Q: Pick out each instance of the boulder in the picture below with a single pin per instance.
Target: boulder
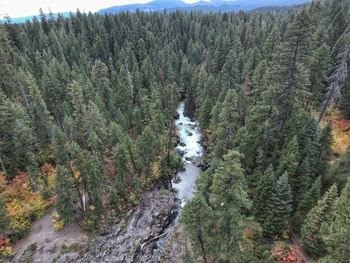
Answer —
(189, 133)
(182, 144)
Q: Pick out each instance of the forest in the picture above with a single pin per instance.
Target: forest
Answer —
(87, 108)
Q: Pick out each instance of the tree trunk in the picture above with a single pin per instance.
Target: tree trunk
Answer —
(200, 239)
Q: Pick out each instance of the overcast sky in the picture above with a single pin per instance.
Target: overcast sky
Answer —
(19, 8)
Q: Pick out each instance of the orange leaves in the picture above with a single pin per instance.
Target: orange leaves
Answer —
(342, 124)
(22, 205)
(341, 135)
(19, 187)
(77, 175)
(341, 131)
(282, 253)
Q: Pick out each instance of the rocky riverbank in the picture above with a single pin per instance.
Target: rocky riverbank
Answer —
(133, 238)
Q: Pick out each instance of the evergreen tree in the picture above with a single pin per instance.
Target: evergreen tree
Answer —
(41, 118)
(230, 202)
(263, 195)
(196, 217)
(280, 207)
(65, 196)
(336, 233)
(228, 123)
(322, 213)
(308, 201)
(289, 160)
(340, 171)
(146, 148)
(318, 73)
(64, 183)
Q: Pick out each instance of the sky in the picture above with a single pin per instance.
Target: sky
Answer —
(19, 8)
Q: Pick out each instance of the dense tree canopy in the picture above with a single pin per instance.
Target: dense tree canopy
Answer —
(95, 95)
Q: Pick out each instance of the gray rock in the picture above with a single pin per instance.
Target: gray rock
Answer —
(182, 144)
(176, 179)
(188, 158)
(180, 152)
(189, 133)
(152, 215)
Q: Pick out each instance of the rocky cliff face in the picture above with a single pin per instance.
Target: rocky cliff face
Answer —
(131, 240)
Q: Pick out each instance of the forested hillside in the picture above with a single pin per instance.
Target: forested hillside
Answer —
(87, 108)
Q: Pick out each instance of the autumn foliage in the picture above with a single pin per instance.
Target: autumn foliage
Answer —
(282, 253)
(341, 131)
(23, 206)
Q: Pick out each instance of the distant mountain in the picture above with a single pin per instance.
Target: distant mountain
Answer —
(205, 6)
(172, 5)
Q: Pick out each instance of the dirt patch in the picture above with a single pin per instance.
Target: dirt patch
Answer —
(44, 244)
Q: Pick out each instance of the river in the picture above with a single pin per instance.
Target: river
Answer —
(134, 237)
(190, 145)
(192, 153)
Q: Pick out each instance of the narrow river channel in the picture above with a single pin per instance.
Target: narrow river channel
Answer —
(192, 153)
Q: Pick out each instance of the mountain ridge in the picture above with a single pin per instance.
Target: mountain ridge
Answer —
(206, 6)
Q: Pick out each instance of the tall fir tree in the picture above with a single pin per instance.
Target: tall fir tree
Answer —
(322, 213)
(280, 207)
(336, 233)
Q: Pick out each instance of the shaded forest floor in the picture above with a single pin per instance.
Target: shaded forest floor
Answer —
(294, 239)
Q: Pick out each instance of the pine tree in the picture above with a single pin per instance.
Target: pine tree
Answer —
(280, 207)
(289, 160)
(318, 73)
(79, 111)
(196, 217)
(114, 134)
(101, 82)
(340, 171)
(230, 202)
(228, 124)
(322, 213)
(336, 233)
(7, 71)
(308, 201)
(146, 148)
(263, 195)
(66, 198)
(41, 119)
(64, 183)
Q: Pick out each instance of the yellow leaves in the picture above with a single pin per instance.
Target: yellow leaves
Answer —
(77, 176)
(341, 131)
(241, 247)
(156, 169)
(341, 141)
(6, 251)
(22, 205)
(57, 222)
(50, 172)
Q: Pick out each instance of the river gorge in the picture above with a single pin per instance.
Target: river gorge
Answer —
(149, 232)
